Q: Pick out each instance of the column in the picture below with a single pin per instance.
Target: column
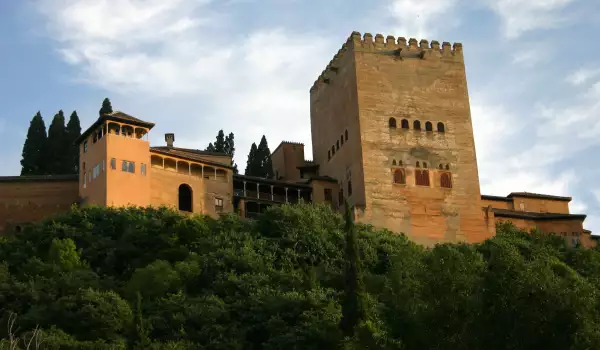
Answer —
(299, 195)
(244, 188)
(272, 198)
(258, 192)
(215, 173)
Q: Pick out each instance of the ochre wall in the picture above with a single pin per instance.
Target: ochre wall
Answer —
(497, 204)
(94, 190)
(539, 205)
(28, 201)
(424, 85)
(286, 159)
(165, 191)
(333, 110)
(318, 192)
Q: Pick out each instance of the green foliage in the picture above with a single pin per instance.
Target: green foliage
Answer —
(259, 160)
(73, 131)
(251, 168)
(224, 144)
(106, 107)
(133, 278)
(33, 161)
(59, 151)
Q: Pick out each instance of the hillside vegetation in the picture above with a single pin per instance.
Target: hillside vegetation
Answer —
(102, 278)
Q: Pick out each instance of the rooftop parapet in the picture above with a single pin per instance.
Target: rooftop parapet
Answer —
(389, 45)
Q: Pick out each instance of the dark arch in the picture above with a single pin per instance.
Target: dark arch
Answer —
(399, 177)
(332, 151)
(400, 163)
(418, 164)
(428, 126)
(446, 180)
(440, 127)
(424, 164)
(346, 134)
(185, 198)
(394, 162)
(447, 166)
(404, 124)
(417, 125)
(342, 140)
(441, 166)
(18, 228)
(392, 123)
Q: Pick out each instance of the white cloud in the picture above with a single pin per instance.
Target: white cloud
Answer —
(422, 18)
(177, 54)
(520, 16)
(582, 76)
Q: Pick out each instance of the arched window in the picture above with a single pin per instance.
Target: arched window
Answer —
(447, 166)
(424, 165)
(400, 163)
(428, 126)
(404, 124)
(185, 198)
(394, 162)
(422, 177)
(332, 151)
(342, 140)
(399, 177)
(349, 187)
(337, 145)
(417, 125)
(392, 123)
(446, 180)
(418, 165)
(441, 166)
(328, 155)
(346, 134)
(440, 127)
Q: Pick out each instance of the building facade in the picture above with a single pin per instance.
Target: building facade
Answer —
(391, 135)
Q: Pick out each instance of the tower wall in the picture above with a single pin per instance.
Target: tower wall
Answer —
(389, 78)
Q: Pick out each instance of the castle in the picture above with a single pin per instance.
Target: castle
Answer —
(391, 135)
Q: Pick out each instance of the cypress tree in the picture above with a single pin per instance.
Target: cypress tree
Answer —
(251, 163)
(210, 148)
(352, 304)
(263, 159)
(73, 132)
(220, 142)
(230, 149)
(33, 160)
(58, 154)
(106, 107)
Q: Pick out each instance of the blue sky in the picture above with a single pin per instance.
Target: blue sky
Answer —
(196, 66)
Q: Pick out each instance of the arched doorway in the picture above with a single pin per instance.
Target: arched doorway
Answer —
(185, 198)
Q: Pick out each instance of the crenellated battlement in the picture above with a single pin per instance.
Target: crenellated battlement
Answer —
(389, 45)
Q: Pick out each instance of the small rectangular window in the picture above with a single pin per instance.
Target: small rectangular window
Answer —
(143, 169)
(328, 193)
(124, 166)
(103, 165)
(218, 204)
(113, 163)
(85, 146)
(422, 177)
(84, 180)
(131, 167)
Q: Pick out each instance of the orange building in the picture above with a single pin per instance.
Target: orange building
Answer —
(391, 135)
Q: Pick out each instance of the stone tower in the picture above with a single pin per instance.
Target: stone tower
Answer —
(114, 155)
(390, 119)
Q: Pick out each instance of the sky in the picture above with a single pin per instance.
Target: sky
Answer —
(246, 66)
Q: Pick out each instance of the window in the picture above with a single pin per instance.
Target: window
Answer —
(328, 155)
(337, 145)
(428, 126)
(96, 171)
(422, 177)
(143, 169)
(346, 134)
(218, 205)
(399, 177)
(342, 140)
(522, 206)
(418, 165)
(349, 187)
(128, 166)
(103, 165)
(441, 166)
(392, 123)
(113, 163)
(332, 151)
(446, 180)
(341, 197)
(84, 180)
(424, 165)
(185, 198)
(440, 127)
(404, 124)
(85, 146)
(394, 162)
(417, 125)
(328, 194)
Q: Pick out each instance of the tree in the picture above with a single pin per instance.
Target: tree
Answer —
(263, 159)
(224, 144)
(352, 303)
(230, 149)
(106, 107)
(220, 142)
(33, 160)
(73, 132)
(59, 154)
(251, 169)
(210, 148)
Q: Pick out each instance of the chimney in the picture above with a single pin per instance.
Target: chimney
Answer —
(170, 138)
